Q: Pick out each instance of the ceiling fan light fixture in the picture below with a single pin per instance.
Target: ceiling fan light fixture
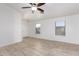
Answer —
(34, 8)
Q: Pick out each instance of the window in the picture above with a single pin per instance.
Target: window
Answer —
(60, 27)
(37, 28)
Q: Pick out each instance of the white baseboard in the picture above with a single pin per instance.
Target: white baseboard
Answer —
(10, 43)
(55, 40)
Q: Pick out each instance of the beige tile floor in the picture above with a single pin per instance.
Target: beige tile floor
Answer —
(38, 47)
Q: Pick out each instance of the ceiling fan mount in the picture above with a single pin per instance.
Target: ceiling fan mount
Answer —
(35, 6)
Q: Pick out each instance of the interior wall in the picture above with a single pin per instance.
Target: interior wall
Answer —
(24, 28)
(48, 29)
(10, 25)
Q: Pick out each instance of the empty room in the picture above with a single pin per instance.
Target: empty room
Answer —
(39, 29)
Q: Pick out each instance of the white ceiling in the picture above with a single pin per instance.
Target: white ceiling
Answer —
(51, 10)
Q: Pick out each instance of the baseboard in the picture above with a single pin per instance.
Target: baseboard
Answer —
(10, 43)
(53, 40)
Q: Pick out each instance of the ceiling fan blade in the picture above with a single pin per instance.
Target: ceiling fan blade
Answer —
(40, 4)
(41, 10)
(25, 7)
(32, 4)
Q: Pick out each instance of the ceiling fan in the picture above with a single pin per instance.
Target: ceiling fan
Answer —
(35, 7)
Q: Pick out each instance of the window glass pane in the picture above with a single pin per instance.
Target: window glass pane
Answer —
(37, 28)
(60, 27)
(60, 23)
(38, 25)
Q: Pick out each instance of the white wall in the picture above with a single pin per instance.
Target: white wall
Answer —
(10, 25)
(48, 29)
(24, 28)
